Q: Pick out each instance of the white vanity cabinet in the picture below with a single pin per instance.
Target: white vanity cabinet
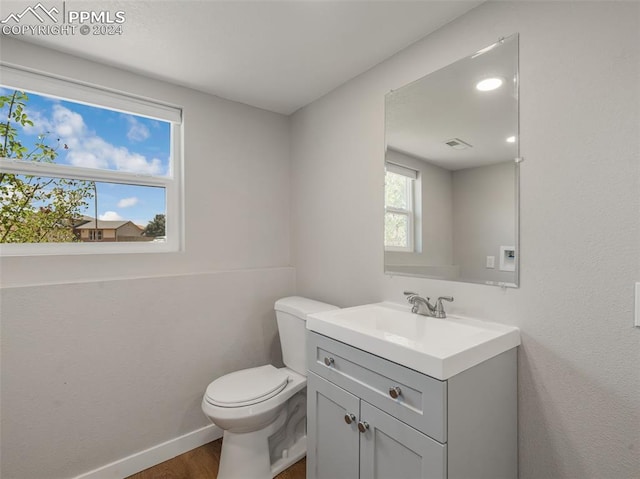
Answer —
(384, 447)
(372, 418)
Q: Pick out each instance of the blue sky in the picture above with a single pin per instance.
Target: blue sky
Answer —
(106, 139)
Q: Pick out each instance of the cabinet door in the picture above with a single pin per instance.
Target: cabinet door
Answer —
(391, 449)
(332, 444)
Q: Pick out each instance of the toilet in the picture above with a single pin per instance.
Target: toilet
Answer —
(262, 410)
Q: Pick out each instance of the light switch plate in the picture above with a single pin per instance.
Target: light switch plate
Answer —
(637, 308)
(491, 261)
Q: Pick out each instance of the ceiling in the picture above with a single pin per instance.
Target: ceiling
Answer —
(276, 55)
(422, 116)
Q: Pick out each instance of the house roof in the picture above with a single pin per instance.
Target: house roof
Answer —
(81, 220)
(105, 225)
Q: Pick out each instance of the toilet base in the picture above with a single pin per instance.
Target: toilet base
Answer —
(246, 455)
(294, 454)
(289, 444)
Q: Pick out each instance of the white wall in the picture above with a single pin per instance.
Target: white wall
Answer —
(236, 176)
(104, 356)
(579, 389)
(484, 219)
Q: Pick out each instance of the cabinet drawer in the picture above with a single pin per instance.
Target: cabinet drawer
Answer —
(422, 399)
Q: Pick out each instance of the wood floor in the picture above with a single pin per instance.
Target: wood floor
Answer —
(202, 463)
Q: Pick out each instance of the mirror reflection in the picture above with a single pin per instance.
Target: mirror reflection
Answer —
(451, 182)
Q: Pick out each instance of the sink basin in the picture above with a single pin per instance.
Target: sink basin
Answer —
(440, 348)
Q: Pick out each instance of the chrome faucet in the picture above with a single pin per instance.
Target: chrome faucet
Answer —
(422, 306)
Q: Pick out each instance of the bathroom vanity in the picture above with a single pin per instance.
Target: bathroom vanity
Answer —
(392, 394)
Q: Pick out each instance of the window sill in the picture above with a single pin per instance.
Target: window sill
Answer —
(64, 249)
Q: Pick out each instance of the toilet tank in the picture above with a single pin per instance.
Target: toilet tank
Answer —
(291, 314)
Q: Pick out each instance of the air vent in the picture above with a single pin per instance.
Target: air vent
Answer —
(458, 144)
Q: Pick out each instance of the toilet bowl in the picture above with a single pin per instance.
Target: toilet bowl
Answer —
(262, 410)
(259, 395)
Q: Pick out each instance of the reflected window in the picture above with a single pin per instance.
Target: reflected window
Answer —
(399, 208)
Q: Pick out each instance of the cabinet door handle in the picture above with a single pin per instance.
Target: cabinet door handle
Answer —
(349, 418)
(363, 426)
(328, 361)
(395, 392)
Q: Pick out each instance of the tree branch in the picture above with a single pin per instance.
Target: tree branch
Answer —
(6, 133)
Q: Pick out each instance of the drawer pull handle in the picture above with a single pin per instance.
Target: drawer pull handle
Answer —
(395, 392)
(328, 361)
(349, 418)
(363, 426)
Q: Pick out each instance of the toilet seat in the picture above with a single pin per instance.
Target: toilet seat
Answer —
(246, 387)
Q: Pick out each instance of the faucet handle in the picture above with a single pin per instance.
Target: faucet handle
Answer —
(440, 313)
(413, 297)
(411, 294)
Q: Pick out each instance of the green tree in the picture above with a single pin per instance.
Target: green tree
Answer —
(156, 227)
(35, 209)
(396, 225)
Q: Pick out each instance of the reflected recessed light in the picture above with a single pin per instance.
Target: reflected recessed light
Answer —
(489, 84)
(511, 139)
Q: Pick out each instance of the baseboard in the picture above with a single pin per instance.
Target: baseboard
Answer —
(154, 455)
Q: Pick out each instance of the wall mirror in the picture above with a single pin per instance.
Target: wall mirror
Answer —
(452, 171)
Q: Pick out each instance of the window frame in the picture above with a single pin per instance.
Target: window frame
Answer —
(110, 99)
(411, 176)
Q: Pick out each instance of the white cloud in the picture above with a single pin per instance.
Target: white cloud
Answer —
(86, 148)
(127, 202)
(137, 131)
(110, 216)
(135, 163)
(68, 124)
(41, 124)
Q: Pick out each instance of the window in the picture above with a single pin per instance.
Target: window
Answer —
(399, 208)
(83, 168)
(95, 235)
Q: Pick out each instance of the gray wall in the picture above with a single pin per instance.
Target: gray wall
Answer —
(579, 386)
(104, 356)
(483, 219)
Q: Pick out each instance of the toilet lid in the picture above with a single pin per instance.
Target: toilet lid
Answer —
(246, 387)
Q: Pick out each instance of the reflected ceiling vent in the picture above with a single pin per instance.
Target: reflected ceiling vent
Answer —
(458, 144)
